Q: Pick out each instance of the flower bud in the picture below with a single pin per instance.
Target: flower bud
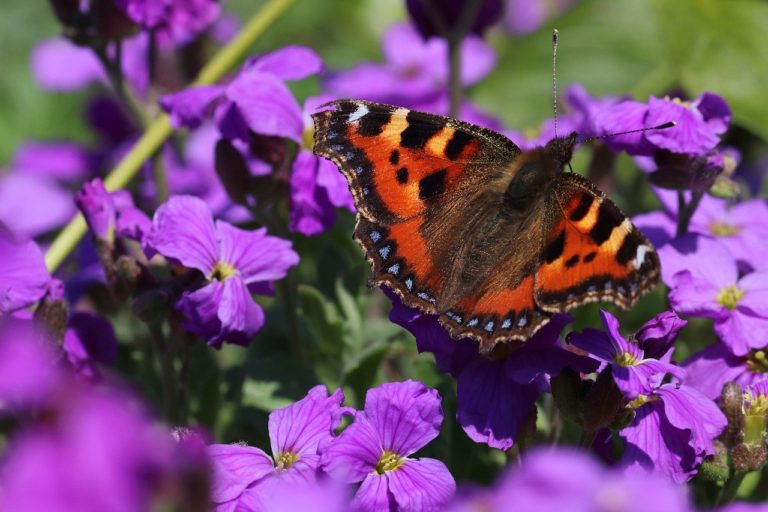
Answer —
(715, 467)
(732, 403)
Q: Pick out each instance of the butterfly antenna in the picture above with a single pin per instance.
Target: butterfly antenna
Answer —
(663, 126)
(555, 37)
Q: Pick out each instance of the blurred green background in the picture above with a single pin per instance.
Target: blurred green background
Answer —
(617, 47)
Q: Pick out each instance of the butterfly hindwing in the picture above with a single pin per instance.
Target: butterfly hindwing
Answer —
(592, 252)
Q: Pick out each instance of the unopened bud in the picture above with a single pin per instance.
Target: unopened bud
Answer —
(715, 467)
(732, 404)
(748, 457)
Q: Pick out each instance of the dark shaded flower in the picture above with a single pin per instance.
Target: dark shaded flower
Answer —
(23, 276)
(495, 396)
(399, 418)
(180, 20)
(446, 16)
(89, 342)
(673, 430)
(245, 477)
(231, 260)
(704, 281)
(633, 373)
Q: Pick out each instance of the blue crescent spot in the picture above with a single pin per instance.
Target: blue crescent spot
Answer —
(394, 269)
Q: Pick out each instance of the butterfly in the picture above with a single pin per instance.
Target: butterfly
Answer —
(460, 223)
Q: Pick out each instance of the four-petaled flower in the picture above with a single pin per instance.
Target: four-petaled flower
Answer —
(245, 477)
(398, 419)
(233, 262)
(633, 373)
(705, 281)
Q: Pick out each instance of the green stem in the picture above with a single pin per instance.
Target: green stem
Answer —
(287, 292)
(164, 353)
(729, 489)
(161, 180)
(160, 129)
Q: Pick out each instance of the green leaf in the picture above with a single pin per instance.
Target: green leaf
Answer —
(712, 45)
(262, 395)
(322, 319)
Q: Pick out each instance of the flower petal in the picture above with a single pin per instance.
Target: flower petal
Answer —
(254, 254)
(374, 496)
(300, 427)
(291, 62)
(59, 65)
(354, 453)
(691, 134)
(755, 287)
(688, 409)
(241, 318)
(406, 415)
(20, 198)
(742, 331)
(267, 105)
(657, 335)
(708, 370)
(183, 230)
(705, 258)
(421, 484)
(23, 276)
(235, 467)
(491, 407)
(189, 107)
(695, 297)
(201, 309)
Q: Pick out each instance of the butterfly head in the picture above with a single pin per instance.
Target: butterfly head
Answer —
(560, 149)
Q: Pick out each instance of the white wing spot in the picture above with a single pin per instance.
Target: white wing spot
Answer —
(640, 256)
(358, 113)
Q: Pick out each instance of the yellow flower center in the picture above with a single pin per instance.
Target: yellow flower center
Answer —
(755, 405)
(724, 229)
(285, 460)
(625, 359)
(222, 271)
(686, 104)
(389, 461)
(757, 361)
(730, 296)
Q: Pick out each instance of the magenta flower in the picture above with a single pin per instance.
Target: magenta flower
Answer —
(705, 282)
(257, 99)
(399, 418)
(415, 72)
(23, 276)
(181, 20)
(633, 373)
(231, 260)
(709, 369)
(673, 430)
(565, 479)
(111, 213)
(21, 195)
(700, 123)
(245, 477)
(63, 161)
(317, 186)
(495, 397)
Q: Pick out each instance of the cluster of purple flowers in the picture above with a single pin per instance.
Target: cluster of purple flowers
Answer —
(221, 214)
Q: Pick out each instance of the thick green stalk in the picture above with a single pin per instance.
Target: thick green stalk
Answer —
(160, 129)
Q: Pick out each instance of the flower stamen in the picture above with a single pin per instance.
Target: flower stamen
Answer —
(222, 271)
(389, 461)
(757, 361)
(285, 460)
(730, 296)
(720, 228)
(625, 359)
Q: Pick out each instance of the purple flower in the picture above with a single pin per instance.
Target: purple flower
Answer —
(230, 259)
(29, 371)
(60, 65)
(317, 186)
(245, 477)
(709, 369)
(100, 451)
(399, 418)
(88, 342)
(181, 20)
(415, 72)
(495, 396)
(566, 479)
(673, 430)
(111, 213)
(257, 99)
(633, 373)
(450, 14)
(705, 282)
(63, 161)
(525, 16)
(699, 124)
(23, 276)
(22, 194)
